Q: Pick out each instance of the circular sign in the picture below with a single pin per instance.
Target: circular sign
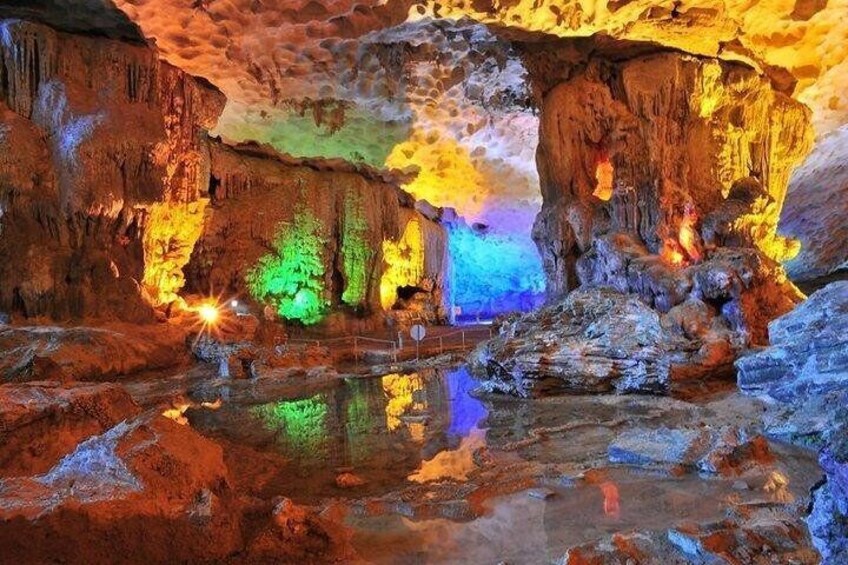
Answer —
(417, 332)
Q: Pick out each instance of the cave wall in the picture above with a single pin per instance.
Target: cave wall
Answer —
(816, 209)
(114, 200)
(93, 133)
(265, 207)
(686, 139)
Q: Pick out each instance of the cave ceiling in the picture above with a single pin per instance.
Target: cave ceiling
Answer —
(437, 86)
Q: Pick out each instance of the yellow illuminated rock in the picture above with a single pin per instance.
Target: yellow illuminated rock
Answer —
(404, 262)
(446, 175)
(170, 233)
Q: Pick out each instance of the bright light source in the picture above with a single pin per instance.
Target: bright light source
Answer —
(208, 313)
(234, 304)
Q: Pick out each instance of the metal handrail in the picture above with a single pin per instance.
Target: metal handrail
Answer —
(395, 345)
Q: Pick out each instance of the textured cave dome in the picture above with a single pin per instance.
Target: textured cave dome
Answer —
(265, 52)
(440, 87)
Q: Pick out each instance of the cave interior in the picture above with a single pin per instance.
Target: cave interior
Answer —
(405, 281)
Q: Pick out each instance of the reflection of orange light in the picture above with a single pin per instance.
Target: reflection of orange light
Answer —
(611, 499)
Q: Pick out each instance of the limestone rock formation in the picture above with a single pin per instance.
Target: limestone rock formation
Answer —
(804, 374)
(751, 535)
(816, 207)
(727, 451)
(83, 165)
(808, 354)
(149, 486)
(674, 135)
(599, 340)
(277, 51)
(43, 422)
(744, 287)
(104, 194)
(366, 237)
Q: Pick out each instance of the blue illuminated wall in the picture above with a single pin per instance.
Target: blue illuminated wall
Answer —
(494, 273)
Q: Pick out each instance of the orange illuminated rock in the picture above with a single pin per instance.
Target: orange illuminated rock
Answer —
(680, 133)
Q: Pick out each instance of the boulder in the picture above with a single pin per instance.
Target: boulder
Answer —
(804, 375)
(150, 488)
(808, 353)
(88, 353)
(594, 341)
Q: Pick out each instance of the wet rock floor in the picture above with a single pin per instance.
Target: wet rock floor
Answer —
(419, 468)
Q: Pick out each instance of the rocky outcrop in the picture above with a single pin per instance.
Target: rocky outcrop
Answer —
(804, 375)
(746, 288)
(106, 192)
(751, 535)
(94, 133)
(85, 474)
(363, 233)
(638, 324)
(32, 353)
(42, 422)
(598, 340)
(652, 145)
(149, 488)
(808, 354)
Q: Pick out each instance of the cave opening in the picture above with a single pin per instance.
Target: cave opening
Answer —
(408, 292)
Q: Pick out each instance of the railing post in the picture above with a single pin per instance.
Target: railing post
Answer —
(463, 339)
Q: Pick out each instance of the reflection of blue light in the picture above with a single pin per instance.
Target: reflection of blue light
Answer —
(466, 412)
(494, 273)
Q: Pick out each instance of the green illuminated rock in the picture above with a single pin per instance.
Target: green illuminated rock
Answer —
(292, 277)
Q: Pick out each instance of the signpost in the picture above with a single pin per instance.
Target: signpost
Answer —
(417, 332)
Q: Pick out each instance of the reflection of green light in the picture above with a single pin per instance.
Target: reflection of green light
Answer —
(292, 278)
(302, 421)
(355, 251)
(358, 423)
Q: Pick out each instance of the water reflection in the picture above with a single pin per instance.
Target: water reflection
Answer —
(420, 427)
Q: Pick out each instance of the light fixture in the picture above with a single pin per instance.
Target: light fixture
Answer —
(208, 313)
